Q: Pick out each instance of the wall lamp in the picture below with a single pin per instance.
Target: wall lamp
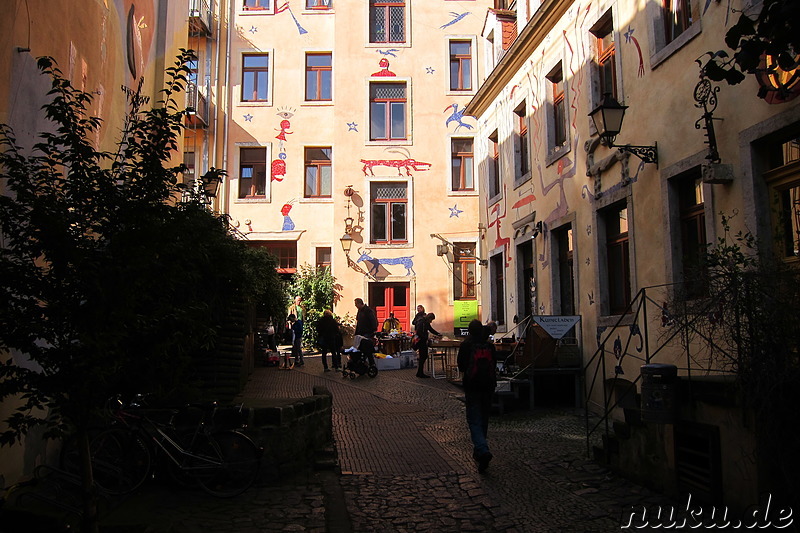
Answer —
(607, 118)
(537, 229)
(347, 243)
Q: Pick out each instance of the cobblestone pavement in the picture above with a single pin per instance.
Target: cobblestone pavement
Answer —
(406, 466)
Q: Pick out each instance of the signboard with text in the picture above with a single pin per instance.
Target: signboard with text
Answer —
(464, 312)
(557, 325)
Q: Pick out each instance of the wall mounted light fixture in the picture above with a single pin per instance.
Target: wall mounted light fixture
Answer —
(607, 118)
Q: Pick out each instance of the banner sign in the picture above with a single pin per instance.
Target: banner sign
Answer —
(464, 312)
(557, 325)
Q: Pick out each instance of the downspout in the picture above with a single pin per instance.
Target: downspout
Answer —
(213, 161)
(224, 190)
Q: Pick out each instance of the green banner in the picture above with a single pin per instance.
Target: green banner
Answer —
(464, 311)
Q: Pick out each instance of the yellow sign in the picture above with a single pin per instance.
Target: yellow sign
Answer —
(464, 312)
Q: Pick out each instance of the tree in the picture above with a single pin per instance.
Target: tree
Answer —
(319, 291)
(111, 276)
(762, 43)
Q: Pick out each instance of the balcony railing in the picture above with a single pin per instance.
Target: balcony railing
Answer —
(200, 17)
(196, 106)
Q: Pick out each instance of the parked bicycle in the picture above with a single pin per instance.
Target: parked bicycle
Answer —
(224, 463)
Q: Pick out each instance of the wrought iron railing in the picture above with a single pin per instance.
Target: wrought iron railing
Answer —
(196, 104)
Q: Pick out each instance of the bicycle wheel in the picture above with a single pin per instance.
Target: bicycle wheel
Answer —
(120, 461)
(225, 464)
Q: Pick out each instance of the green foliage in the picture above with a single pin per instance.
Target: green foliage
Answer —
(773, 31)
(107, 282)
(319, 291)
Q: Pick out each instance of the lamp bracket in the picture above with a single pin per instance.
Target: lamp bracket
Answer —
(648, 154)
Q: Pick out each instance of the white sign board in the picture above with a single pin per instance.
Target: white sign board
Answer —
(557, 325)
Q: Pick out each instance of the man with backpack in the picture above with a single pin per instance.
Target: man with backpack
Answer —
(477, 361)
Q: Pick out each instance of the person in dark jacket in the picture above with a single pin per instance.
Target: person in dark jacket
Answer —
(329, 339)
(420, 314)
(366, 319)
(423, 329)
(477, 360)
(297, 339)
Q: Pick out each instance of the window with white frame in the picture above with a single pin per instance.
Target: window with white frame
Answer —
(255, 77)
(493, 165)
(387, 21)
(461, 157)
(460, 65)
(319, 74)
(389, 213)
(253, 172)
(319, 4)
(257, 5)
(464, 271)
(318, 172)
(387, 111)
(521, 152)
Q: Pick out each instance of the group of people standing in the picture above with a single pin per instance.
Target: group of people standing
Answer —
(477, 359)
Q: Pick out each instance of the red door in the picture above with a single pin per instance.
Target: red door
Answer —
(387, 298)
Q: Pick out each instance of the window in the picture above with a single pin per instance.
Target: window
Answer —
(493, 170)
(323, 258)
(461, 162)
(255, 71)
(464, 271)
(387, 110)
(257, 5)
(784, 183)
(188, 173)
(252, 172)
(387, 21)
(521, 160)
(496, 276)
(566, 276)
(389, 212)
(559, 114)
(606, 57)
(285, 252)
(318, 77)
(318, 172)
(460, 65)
(677, 18)
(693, 233)
(319, 4)
(618, 258)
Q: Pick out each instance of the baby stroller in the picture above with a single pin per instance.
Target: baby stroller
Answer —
(360, 362)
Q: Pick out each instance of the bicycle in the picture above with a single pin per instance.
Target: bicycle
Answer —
(224, 463)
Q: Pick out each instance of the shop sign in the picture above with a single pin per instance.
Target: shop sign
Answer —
(557, 325)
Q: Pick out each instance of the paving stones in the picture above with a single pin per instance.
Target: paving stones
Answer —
(406, 466)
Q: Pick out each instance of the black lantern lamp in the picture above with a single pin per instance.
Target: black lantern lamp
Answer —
(607, 118)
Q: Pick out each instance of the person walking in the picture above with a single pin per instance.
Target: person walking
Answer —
(477, 361)
(297, 340)
(328, 336)
(366, 326)
(423, 329)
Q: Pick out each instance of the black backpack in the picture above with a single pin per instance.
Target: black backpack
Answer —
(482, 371)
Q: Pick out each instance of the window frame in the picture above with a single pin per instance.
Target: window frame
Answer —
(662, 45)
(493, 179)
(319, 165)
(319, 5)
(320, 75)
(321, 262)
(617, 282)
(461, 59)
(522, 163)
(388, 238)
(558, 134)
(386, 6)
(255, 71)
(605, 57)
(464, 263)
(259, 9)
(462, 166)
(388, 114)
(497, 283)
(247, 163)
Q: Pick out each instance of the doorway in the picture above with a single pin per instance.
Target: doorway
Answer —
(387, 298)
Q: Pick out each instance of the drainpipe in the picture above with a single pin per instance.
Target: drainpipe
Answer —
(224, 190)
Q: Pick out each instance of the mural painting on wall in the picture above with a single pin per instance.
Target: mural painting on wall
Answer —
(352, 126)
(288, 223)
(456, 18)
(388, 52)
(457, 117)
(138, 20)
(278, 167)
(408, 164)
(286, 7)
(376, 263)
(630, 38)
(384, 72)
(495, 217)
(455, 211)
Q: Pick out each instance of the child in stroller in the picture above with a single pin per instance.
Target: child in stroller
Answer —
(360, 361)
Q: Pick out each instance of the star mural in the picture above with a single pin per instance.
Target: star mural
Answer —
(455, 211)
(248, 117)
(352, 126)
(430, 70)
